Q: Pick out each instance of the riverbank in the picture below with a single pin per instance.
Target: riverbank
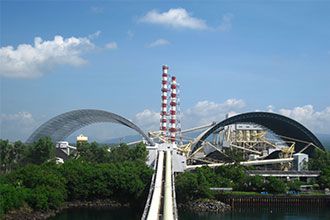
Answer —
(205, 205)
(237, 213)
(274, 200)
(26, 213)
(226, 202)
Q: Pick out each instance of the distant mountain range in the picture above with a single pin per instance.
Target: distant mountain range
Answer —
(324, 138)
(125, 139)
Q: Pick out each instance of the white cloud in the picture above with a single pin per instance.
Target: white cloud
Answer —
(205, 112)
(317, 121)
(175, 18)
(17, 126)
(226, 24)
(25, 117)
(111, 45)
(270, 108)
(159, 42)
(30, 61)
(147, 120)
(94, 35)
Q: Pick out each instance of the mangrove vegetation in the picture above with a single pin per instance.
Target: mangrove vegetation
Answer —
(30, 177)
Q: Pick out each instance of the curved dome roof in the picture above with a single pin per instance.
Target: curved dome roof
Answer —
(279, 124)
(61, 126)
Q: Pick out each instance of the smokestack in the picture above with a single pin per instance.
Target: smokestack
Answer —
(163, 112)
(173, 104)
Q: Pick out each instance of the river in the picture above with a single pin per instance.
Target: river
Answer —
(287, 213)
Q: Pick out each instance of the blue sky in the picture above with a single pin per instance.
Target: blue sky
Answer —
(229, 56)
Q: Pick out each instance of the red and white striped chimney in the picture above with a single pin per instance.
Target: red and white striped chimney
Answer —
(173, 104)
(163, 113)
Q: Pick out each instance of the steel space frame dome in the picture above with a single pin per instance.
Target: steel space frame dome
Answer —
(63, 125)
(279, 124)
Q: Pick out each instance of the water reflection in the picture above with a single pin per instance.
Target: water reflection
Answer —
(288, 212)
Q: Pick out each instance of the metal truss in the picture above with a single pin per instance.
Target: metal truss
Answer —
(61, 126)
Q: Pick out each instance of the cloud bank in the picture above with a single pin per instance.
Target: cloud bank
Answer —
(205, 112)
(317, 121)
(20, 125)
(17, 126)
(147, 120)
(31, 61)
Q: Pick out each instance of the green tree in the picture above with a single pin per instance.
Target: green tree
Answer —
(41, 151)
(99, 153)
(93, 152)
(18, 153)
(79, 176)
(120, 153)
(275, 185)
(253, 183)
(11, 155)
(324, 179)
(126, 153)
(235, 173)
(320, 160)
(11, 197)
(214, 179)
(129, 180)
(124, 181)
(294, 185)
(190, 186)
(44, 181)
(139, 152)
(4, 155)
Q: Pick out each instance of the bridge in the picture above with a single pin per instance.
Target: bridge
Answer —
(161, 203)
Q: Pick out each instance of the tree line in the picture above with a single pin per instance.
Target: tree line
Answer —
(18, 154)
(196, 184)
(32, 178)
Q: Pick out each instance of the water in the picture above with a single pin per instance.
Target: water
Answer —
(99, 214)
(248, 213)
(257, 213)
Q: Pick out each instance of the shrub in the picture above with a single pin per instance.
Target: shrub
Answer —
(294, 185)
(47, 186)
(275, 185)
(43, 198)
(125, 181)
(190, 186)
(11, 197)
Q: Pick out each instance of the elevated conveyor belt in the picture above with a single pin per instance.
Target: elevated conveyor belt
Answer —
(154, 209)
(161, 202)
(168, 199)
